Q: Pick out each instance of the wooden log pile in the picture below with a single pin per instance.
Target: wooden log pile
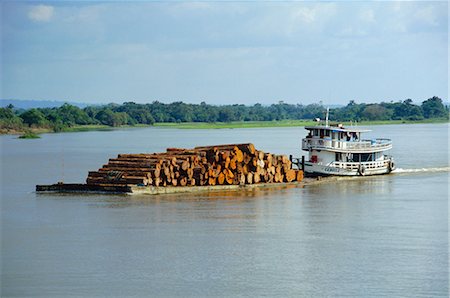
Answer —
(233, 164)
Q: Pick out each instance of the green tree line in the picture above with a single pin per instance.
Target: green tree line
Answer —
(130, 113)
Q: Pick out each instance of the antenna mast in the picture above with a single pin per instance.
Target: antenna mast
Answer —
(326, 118)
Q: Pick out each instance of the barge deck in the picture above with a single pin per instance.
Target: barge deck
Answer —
(158, 190)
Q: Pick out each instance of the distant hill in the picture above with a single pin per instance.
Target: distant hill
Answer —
(29, 104)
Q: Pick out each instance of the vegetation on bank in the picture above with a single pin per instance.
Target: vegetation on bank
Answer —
(286, 123)
(236, 124)
(182, 115)
(29, 135)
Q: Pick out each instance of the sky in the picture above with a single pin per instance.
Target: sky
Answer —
(224, 52)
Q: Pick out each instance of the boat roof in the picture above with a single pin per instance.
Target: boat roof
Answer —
(337, 128)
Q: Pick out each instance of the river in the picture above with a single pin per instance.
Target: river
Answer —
(375, 236)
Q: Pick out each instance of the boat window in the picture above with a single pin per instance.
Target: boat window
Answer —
(338, 156)
(316, 132)
(321, 133)
(365, 157)
(349, 157)
(327, 133)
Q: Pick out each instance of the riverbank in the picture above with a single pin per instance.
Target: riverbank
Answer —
(77, 128)
(217, 125)
(284, 123)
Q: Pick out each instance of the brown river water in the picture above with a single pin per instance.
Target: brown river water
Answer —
(376, 236)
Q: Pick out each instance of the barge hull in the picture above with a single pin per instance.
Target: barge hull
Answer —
(154, 190)
(83, 188)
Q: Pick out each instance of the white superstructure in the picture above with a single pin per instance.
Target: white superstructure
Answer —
(335, 150)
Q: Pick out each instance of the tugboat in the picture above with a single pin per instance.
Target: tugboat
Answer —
(336, 150)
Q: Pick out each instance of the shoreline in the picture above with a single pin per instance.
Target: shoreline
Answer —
(217, 125)
(285, 123)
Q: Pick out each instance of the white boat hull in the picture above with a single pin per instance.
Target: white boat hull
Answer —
(327, 170)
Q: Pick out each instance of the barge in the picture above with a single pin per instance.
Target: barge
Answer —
(205, 168)
(78, 188)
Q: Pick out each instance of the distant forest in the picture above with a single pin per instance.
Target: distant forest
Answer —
(130, 113)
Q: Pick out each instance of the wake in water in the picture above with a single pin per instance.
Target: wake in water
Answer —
(422, 170)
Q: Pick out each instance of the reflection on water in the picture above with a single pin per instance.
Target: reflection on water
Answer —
(371, 236)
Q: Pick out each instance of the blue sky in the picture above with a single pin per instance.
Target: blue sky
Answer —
(224, 52)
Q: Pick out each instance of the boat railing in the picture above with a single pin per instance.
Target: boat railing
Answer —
(355, 165)
(364, 145)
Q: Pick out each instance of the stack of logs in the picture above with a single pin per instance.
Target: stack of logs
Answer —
(236, 164)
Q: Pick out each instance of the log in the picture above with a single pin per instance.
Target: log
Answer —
(242, 179)
(250, 178)
(248, 147)
(233, 163)
(278, 177)
(247, 159)
(260, 155)
(217, 170)
(238, 154)
(256, 178)
(128, 180)
(227, 162)
(130, 165)
(122, 169)
(221, 178)
(299, 176)
(166, 170)
(185, 165)
(290, 175)
(229, 176)
(129, 171)
(166, 155)
(260, 163)
(176, 149)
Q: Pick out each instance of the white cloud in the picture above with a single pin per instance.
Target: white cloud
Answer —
(41, 13)
(307, 17)
(180, 9)
(194, 5)
(352, 32)
(85, 14)
(417, 16)
(367, 15)
(312, 13)
(305, 14)
(426, 15)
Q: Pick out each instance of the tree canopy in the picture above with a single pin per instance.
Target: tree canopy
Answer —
(131, 113)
